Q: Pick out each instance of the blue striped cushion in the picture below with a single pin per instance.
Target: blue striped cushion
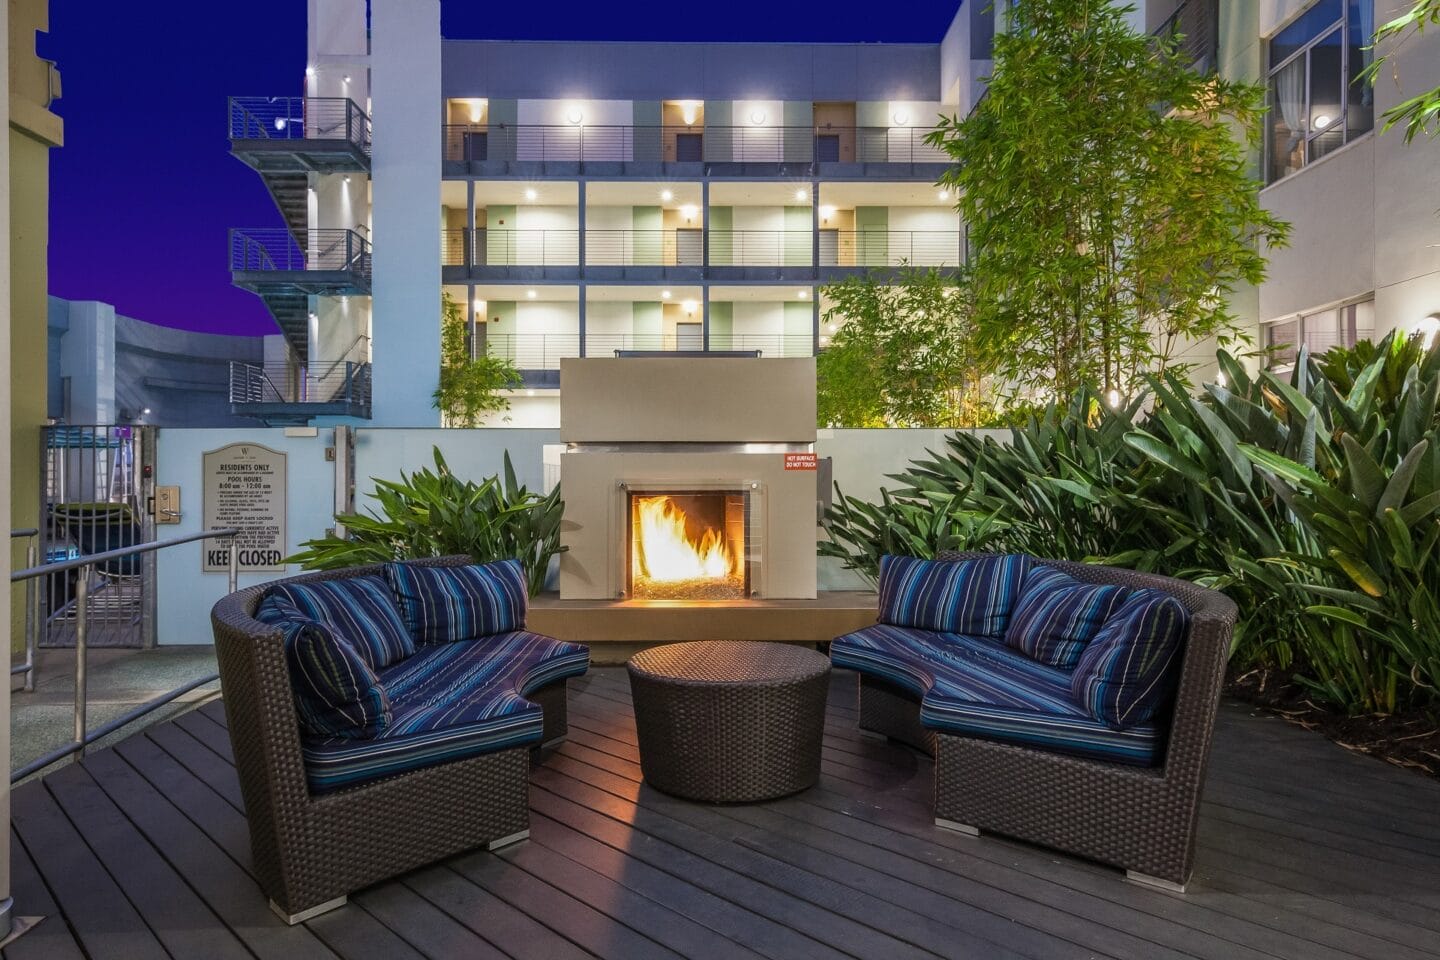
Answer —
(336, 693)
(448, 604)
(1129, 670)
(451, 701)
(974, 686)
(1057, 615)
(954, 596)
(360, 609)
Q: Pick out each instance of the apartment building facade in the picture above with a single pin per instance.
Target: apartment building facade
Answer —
(602, 199)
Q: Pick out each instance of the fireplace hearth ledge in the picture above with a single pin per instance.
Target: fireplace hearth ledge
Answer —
(616, 629)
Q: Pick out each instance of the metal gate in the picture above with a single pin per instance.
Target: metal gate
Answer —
(93, 501)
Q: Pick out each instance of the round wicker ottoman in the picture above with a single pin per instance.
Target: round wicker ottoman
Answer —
(729, 721)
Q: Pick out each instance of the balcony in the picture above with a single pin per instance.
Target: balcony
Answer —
(330, 263)
(738, 149)
(300, 134)
(1197, 25)
(891, 248)
(490, 253)
(283, 393)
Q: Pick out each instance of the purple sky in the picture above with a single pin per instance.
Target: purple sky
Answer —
(144, 190)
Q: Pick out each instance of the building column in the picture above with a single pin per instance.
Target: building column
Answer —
(405, 169)
(705, 265)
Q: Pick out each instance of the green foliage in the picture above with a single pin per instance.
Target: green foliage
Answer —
(469, 386)
(1312, 500)
(436, 514)
(1110, 209)
(903, 354)
(1422, 111)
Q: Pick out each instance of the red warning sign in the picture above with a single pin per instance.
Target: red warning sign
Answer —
(800, 461)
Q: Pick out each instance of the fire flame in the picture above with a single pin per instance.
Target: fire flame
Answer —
(667, 554)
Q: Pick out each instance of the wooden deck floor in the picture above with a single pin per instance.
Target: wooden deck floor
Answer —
(1306, 852)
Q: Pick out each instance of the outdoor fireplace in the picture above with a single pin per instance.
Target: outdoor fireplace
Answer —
(687, 544)
(688, 480)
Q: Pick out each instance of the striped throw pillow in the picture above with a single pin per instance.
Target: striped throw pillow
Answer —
(448, 604)
(1057, 615)
(1127, 673)
(336, 692)
(360, 609)
(972, 597)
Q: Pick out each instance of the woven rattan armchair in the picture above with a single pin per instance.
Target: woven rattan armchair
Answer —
(311, 851)
(1140, 819)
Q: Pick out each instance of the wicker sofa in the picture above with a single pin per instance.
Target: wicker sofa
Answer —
(1129, 797)
(315, 842)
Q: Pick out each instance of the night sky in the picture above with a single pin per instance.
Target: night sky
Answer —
(144, 189)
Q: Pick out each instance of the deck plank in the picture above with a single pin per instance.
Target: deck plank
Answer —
(1305, 851)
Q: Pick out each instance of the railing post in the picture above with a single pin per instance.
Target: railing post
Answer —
(32, 608)
(234, 565)
(82, 609)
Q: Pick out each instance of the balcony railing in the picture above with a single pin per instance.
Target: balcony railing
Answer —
(766, 344)
(1197, 23)
(685, 248)
(467, 143)
(276, 249)
(299, 118)
(534, 351)
(335, 382)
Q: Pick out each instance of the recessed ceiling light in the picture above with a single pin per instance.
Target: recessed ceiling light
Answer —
(803, 294)
(667, 195)
(664, 294)
(309, 71)
(831, 328)
(529, 393)
(801, 194)
(944, 194)
(1322, 121)
(530, 194)
(530, 294)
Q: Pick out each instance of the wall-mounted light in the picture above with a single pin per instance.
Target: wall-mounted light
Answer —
(347, 78)
(477, 110)
(1113, 397)
(530, 294)
(830, 328)
(826, 212)
(1323, 120)
(689, 212)
(530, 193)
(664, 294)
(757, 116)
(689, 307)
(901, 117)
(479, 306)
(309, 71)
(347, 178)
(1427, 329)
(667, 195)
(575, 116)
(689, 111)
(280, 123)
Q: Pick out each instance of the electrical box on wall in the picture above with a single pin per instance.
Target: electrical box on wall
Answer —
(167, 505)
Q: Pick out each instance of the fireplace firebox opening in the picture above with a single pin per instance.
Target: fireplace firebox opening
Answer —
(688, 545)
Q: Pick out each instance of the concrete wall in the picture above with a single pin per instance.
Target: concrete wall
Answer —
(696, 71)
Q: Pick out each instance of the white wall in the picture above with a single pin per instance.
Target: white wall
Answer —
(607, 240)
(765, 244)
(758, 142)
(925, 236)
(406, 174)
(538, 412)
(597, 137)
(606, 318)
(548, 235)
(759, 319)
(545, 332)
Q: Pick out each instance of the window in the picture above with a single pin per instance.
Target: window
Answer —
(1317, 101)
(1337, 327)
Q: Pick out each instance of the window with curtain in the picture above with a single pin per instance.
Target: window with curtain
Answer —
(1318, 331)
(1317, 101)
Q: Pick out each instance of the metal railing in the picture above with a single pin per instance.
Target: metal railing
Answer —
(888, 248)
(682, 247)
(758, 248)
(534, 351)
(738, 143)
(299, 118)
(765, 344)
(276, 249)
(86, 566)
(32, 606)
(1197, 24)
(494, 247)
(319, 381)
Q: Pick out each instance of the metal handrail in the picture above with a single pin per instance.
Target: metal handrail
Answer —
(341, 379)
(299, 118)
(1197, 24)
(275, 249)
(729, 143)
(86, 565)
